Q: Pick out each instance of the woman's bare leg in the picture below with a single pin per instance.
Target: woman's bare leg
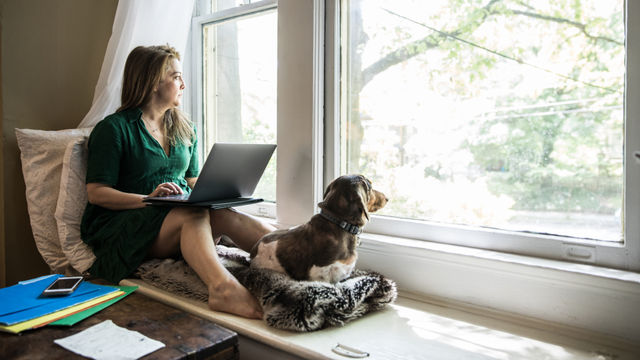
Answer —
(189, 230)
(245, 230)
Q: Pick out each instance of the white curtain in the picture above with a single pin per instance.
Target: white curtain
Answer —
(137, 22)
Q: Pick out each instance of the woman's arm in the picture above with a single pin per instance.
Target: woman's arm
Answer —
(107, 197)
(110, 198)
(191, 181)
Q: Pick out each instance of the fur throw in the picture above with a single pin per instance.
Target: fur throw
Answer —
(287, 304)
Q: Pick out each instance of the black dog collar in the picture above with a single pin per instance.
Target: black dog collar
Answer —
(350, 228)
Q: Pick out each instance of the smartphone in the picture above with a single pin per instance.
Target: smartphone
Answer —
(63, 285)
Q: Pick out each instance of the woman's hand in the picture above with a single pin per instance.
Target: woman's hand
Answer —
(165, 189)
(110, 198)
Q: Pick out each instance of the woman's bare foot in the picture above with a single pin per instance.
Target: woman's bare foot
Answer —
(231, 297)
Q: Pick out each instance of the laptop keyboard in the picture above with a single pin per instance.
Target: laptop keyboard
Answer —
(183, 196)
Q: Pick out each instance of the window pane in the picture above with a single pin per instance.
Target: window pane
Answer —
(500, 114)
(239, 92)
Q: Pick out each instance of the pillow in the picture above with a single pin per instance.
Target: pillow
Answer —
(41, 154)
(72, 200)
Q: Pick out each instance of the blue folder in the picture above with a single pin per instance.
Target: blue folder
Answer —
(22, 302)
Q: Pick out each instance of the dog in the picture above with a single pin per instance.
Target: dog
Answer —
(324, 248)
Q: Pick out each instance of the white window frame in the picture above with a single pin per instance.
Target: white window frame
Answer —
(203, 17)
(308, 139)
(624, 256)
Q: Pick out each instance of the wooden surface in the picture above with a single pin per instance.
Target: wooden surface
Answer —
(185, 336)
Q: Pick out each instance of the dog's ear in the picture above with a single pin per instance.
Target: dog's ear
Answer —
(364, 193)
(358, 193)
(323, 204)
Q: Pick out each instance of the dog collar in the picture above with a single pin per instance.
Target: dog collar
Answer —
(350, 228)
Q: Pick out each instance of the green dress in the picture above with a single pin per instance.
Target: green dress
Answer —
(123, 154)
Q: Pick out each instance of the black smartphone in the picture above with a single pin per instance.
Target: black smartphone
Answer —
(63, 285)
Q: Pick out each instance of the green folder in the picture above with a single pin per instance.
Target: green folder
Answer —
(75, 318)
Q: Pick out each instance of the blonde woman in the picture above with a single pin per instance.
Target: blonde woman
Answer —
(148, 148)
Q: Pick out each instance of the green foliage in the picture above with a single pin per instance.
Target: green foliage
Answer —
(557, 148)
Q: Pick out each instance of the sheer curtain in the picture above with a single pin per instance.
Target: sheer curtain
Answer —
(137, 22)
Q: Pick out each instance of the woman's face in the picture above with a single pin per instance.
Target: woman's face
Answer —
(170, 89)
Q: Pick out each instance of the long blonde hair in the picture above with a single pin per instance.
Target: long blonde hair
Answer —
(143, 71)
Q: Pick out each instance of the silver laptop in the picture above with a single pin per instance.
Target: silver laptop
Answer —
(228, 177)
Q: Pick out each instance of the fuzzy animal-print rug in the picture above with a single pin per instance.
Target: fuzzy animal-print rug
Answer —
(287, 304)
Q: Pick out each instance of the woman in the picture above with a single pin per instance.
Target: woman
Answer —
(148, 148)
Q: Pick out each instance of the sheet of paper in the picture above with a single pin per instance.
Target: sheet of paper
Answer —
(107, 340)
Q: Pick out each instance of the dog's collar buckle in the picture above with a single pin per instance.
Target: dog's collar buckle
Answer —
(350, 228)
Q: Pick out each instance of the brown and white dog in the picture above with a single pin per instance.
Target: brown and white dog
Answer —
(323, 249)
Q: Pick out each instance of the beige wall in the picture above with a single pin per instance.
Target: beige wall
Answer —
(2, 262)
(51, 53)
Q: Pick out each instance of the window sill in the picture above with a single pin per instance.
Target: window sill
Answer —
(530, 307)
(570, 297)
(412, 329)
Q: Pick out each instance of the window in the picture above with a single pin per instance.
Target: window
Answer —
(492, 124)
(237, 44)
(504, 128)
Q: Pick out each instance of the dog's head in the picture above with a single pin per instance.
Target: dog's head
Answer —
(351, 198)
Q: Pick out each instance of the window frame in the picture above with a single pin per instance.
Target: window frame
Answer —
(203, 16)
(625, 255)
(308, 157)
(299, 183)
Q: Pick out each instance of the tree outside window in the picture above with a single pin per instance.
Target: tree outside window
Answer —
(505, 114)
